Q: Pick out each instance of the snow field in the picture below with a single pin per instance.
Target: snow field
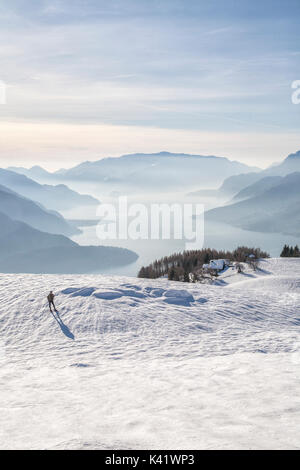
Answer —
(132, 363)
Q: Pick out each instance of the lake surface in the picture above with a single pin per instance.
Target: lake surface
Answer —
(216, 235)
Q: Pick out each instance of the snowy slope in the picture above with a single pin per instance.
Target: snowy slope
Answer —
(151, 363)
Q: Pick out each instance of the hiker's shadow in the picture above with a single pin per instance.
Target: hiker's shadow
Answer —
(62, 326)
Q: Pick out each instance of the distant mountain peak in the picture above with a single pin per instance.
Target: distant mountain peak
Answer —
(293, 156)
(165, 153)
(37, 167)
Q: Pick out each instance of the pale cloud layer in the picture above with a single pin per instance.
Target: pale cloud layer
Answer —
(58, 145)
(189, 76)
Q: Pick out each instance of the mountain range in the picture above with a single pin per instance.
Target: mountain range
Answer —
(289, 165)
(25, 210)
(27, 250)
(33, 238)
(258, 200)
(257, 188)
(270, 205)
(236, 183)
(58, 197)
(163, 171)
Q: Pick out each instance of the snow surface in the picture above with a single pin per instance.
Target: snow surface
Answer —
(217, 264)
(136, 363)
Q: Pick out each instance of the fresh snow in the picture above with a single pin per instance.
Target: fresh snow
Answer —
(151, 364)
(217, 264)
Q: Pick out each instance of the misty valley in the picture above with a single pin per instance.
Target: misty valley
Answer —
(48, 226)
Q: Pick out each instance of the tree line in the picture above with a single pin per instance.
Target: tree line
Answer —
(290, 252)
(180, 266)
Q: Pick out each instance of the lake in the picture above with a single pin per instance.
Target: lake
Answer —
(216, 235)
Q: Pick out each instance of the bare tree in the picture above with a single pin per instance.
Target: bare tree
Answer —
(239, 267)
(253, 263)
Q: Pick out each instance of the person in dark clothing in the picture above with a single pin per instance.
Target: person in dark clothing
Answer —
(51, 301)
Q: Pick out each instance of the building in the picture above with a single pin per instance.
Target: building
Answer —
(216, 264)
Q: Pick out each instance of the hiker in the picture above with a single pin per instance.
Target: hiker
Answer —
(50, 298)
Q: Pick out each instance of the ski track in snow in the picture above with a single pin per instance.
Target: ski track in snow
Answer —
(136, 363)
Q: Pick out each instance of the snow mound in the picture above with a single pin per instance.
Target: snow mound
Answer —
(178, 297)
(280, 284)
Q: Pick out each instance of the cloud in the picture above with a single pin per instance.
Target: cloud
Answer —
(177, 65)
(54, 145)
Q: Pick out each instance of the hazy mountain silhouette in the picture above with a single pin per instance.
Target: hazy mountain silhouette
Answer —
(25, 249)
(36, 172)
(58, 197)
(274, 208)
(16, 236)
(163, 171)
(235, 184)
(258, 187)
(290, 165)
(20, 208)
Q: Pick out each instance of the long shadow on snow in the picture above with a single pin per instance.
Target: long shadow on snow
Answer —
(62, 326)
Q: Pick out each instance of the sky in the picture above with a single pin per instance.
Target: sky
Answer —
(86, 79)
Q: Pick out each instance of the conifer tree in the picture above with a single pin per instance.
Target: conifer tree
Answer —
(171, 274)
(285, 251)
